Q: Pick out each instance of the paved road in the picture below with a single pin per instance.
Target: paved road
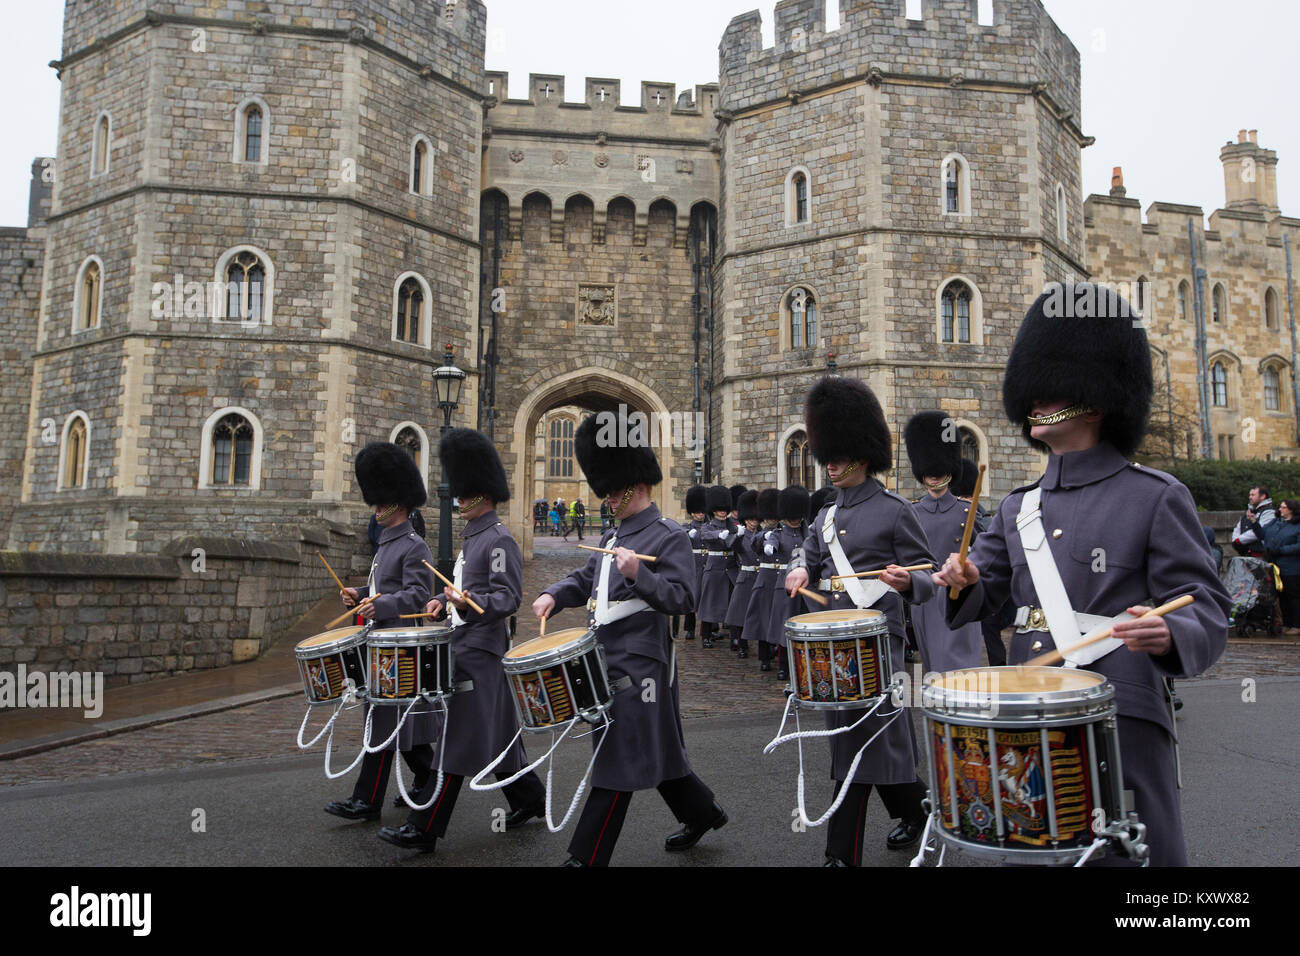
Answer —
(1240, 765)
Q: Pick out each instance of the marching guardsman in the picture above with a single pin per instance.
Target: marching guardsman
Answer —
(391, 484)
(792, 510)
(1098, 537)
(718, 537)
(865, 528)
(628, 600)
(481, 722)
(934, 449)
(733, 556)
(765, 581)
(696, 503)
(747, 558)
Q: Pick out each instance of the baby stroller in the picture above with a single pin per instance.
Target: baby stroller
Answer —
(1253, 583)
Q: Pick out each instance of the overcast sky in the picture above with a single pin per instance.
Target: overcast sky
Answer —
(1165, 83)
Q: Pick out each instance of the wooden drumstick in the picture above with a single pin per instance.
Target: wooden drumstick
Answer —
(879, 572)
(543, 626)
(331, 571)
(1052, 657)
(463, 596)
(970, 526)
(640, 557)
(814, 596)
(408, 617)
(351, 611)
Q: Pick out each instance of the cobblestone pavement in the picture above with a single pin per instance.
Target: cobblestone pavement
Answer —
(713, 683)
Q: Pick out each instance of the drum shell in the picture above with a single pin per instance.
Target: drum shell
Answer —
(553, 687)
(424, 664)
(1052, 760)
(335, 663)
(837, 663)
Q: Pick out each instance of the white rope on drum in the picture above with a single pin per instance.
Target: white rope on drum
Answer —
(799, 735)
(1093, 848)
(442, 753)
(349, 697)
(925, 843)
(582, 785)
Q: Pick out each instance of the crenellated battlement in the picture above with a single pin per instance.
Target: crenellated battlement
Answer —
(663, 110)
(446, 37)
(1022, 46)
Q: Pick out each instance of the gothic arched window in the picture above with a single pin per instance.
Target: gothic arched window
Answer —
(232, 451)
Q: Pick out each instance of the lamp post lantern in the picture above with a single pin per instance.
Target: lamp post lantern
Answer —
(447, 379)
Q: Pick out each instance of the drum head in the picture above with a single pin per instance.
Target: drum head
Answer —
(551, 642)
(1020, 680)
(999, 694)
(408, 636)
(327, 640)
(848, 615)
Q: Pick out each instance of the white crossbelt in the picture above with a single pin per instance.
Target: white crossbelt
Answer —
(749, 567)
(606, 612)
(1067, 627)
(457, 578)
(774, 567)
(863, 595)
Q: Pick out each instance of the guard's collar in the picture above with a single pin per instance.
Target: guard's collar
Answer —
(642, 519)
(397, 531)
(481, 523)
(848, 497)
(934, 505)
(1078, 468)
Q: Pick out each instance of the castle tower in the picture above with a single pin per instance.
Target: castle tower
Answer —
(1250, 175)
(895, 192)
(264, 228)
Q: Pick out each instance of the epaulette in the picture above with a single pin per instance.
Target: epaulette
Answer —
(1167, 478)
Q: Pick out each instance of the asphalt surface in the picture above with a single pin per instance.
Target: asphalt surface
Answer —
(1240, 764)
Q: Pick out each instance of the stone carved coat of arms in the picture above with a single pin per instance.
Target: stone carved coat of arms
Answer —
(597, 305)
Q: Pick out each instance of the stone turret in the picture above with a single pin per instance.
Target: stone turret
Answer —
(1249, 175)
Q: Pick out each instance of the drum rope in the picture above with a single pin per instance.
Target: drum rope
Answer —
(477, 782)
(582, 785)
(370, 714)
(799, 735)
(347, 698)
(925, 843)
(442, 752)
(1093, 848)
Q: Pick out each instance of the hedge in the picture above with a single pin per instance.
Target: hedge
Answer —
(1224, 485)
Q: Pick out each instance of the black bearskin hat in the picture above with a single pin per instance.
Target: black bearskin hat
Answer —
(963, 484)
(819, 499)
(845, 423)
(793, 505)
(697, 499)
(388, 476)
(768, 500)
(611, 467)
(719, 498)
(747, 505)
(472, 466)
(1082, 343)
(736, 492)
(930, 454)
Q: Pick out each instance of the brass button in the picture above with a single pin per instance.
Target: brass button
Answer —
(844, 532)
(1036, 646)
(1057, 533)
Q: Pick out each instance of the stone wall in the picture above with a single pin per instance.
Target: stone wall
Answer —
(200, 603)
(21, 257)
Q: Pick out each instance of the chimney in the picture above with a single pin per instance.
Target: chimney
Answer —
(1117, 189)
(1249, 175)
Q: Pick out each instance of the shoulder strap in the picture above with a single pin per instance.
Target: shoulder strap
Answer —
(863, 593)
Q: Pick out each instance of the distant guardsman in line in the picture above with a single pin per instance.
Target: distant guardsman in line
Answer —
(864, 528)
(629, 600)
(733, 558)
(747, 556)
(765, 581)
(934, 449)
(391, 484)
(481, 722)
(696, 503)
(792, 510)
(718, 537)
(1120, 538)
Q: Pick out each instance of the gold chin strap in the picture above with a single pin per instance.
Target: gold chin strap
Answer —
(622, 505)
(848, 471)
(383, 515)
(937, 484)
(1064, 415)
(467, 506)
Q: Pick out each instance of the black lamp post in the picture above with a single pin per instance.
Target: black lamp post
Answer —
(448, 380)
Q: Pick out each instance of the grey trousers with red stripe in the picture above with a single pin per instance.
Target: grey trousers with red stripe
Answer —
(690, 801)
(845, 831)
(375, 770)
(526, 793)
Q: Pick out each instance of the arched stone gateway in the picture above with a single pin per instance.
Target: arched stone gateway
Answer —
(599, 390)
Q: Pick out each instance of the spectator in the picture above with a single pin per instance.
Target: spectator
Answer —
(578, 512)
(604, 515)
(1216, 552)
(555, 522)
(1281, 541)
(1261, 510)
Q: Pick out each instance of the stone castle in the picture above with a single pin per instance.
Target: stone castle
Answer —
(267, 219)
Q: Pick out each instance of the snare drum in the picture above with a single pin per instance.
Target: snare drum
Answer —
(409, 662)
(839, 660)
(1022, 759)
(327, 661)
(558, 677)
